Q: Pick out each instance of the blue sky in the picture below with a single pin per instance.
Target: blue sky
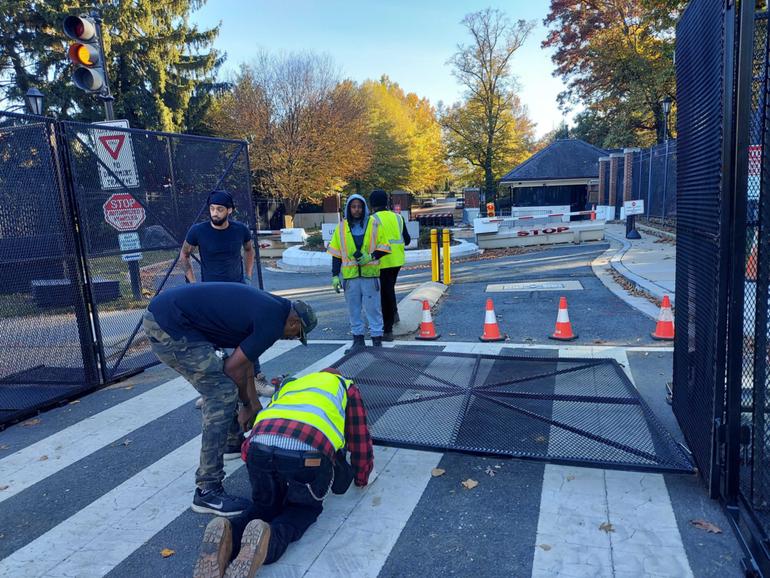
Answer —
(410, 41)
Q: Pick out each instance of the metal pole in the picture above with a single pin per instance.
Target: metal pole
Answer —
(649, 184)
(447, 261)
(106, 96)
(665, 179)
(434, 255)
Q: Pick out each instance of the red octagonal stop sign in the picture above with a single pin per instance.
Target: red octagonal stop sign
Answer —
(123, 212)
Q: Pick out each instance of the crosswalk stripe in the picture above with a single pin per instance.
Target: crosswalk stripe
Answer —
(24, 468)
(577, 503)
(101, 535)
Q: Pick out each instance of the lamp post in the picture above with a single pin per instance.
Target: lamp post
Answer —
(34, 101)
(666, 103)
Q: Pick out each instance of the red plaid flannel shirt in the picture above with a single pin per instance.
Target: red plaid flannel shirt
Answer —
(357, 437)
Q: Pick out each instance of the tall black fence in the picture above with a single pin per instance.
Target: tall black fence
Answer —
(91, 223)
(654, 179)
(721, 382)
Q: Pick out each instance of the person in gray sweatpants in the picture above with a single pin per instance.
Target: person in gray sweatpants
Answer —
(356, 248)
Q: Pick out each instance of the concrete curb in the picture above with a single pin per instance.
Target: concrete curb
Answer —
(297, 260)
(410, 307)
(601, 267)
(656, 232)
(616, 262)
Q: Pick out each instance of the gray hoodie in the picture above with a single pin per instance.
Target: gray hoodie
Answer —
(357, 227)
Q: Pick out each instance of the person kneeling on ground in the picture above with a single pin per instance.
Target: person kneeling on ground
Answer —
(295, 455)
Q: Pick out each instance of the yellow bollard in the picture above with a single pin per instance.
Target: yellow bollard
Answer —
(434, 255)
(447, 261)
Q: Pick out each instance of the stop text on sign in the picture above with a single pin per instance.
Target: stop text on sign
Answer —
(123, 212)
(543, 231)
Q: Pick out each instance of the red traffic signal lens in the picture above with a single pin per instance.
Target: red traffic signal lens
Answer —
(79, 28)
(84, 55)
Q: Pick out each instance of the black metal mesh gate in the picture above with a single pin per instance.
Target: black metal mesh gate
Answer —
(561, 410)
(701, 276)
(137, 193)
(46, 351)
(92, 218)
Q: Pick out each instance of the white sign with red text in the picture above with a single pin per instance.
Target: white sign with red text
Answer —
(123, 212)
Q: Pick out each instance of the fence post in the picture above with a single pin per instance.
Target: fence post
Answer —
(628, 193)
(649, 183)
(665, 179)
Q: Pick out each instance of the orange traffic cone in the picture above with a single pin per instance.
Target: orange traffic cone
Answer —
(664, 329)
(563, 330)
(491, 329)
(751, 262)
(427, 329)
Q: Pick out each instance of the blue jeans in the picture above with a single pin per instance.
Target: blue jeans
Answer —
(364, 293)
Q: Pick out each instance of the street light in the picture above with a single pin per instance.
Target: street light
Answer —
(666, 102)
(34, 101)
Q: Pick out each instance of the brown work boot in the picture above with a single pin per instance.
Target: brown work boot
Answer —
(256, 539)
(264, 389)
(215, 550)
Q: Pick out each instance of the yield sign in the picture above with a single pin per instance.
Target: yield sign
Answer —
(113, 143)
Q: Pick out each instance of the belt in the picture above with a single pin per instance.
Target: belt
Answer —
(298, 454)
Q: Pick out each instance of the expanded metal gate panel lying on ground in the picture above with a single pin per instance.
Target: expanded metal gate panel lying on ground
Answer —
(580, 411)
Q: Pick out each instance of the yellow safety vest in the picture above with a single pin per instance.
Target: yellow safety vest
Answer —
(318, 400)
(392, 225)
(343, 247)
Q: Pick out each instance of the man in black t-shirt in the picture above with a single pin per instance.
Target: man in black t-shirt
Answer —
(188, 328)
(219, 241)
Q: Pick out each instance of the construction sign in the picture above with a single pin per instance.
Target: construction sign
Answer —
(115, 151)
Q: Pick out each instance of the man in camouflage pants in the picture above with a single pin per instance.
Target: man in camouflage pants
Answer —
(188, 328)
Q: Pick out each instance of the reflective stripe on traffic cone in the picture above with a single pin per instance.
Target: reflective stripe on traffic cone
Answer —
(664, 329)
(491, 329)
(563, 330)
(427, 329)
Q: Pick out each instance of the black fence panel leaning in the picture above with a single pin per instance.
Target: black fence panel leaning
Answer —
(699, 361)
(92, 220)
(137, 194)
(46, 342)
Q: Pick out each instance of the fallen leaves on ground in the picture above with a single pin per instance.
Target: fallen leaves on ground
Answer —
(31, 422)
(4, 446)
(469, 484)
(490, 472)
(545, 547)
(42, 458)
(4, 488)
(74, 401)
(570, 478)
(606, 527)
(128, 387)
(706, 526)
(166, 552)
(436, 472)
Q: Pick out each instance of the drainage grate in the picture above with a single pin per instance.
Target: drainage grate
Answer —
(563, 410)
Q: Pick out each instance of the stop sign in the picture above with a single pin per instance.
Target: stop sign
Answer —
(123, 212)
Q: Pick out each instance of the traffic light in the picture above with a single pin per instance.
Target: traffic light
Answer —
(85, 53)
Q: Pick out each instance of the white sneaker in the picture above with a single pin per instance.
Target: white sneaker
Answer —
(264, 389)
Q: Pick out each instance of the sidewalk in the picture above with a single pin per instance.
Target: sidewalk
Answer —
(648, 263)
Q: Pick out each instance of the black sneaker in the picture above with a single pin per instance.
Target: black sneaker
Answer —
(232, 451)
(218, 502)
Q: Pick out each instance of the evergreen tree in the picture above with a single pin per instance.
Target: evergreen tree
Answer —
(161, 68)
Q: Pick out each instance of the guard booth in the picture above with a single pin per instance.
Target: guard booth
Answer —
(555, 179)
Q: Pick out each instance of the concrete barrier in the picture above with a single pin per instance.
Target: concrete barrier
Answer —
(295, 259)
(546, 234)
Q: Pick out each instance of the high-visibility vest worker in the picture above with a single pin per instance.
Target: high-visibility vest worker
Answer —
(318, 400)
(343, 247)
(392, 227)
